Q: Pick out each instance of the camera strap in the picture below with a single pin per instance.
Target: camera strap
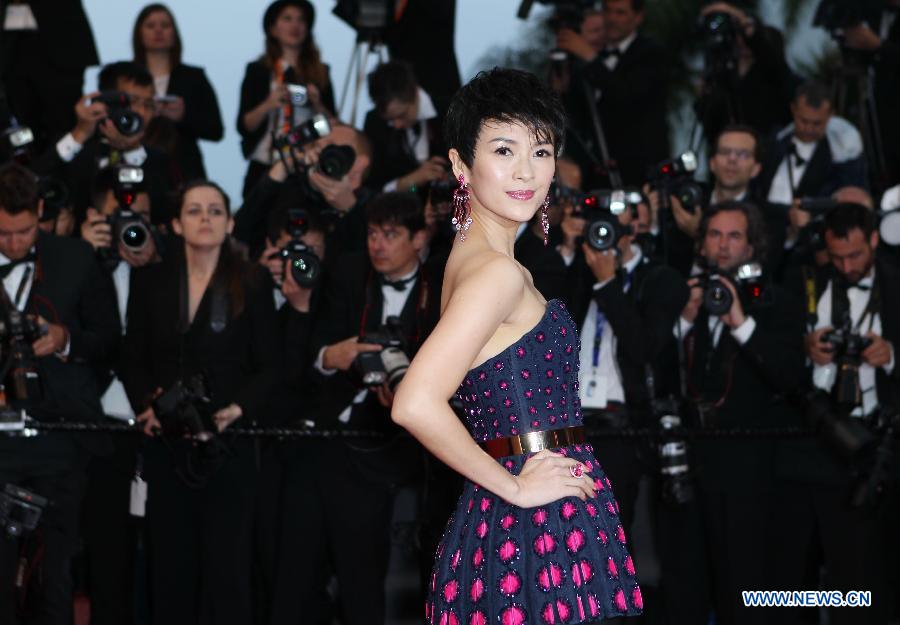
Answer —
(840, 303)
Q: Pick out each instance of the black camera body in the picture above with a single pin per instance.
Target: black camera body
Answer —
(118, 110)
(675, 176)
(676, 476)
(388, 365)
(719, 34)
(304, 133)
(305, 266)
(747, 282)
(20, 510)
(847, 345)
(18, 331)
(336, 161)
(126, 226)
(182, 410)
(601, 209)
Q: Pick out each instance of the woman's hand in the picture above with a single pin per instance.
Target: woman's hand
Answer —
(173, 109)
(226, 416)
(547, 477)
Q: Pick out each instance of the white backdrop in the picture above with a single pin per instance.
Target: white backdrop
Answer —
(223, 36)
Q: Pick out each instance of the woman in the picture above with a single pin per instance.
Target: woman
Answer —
(203, 312)
(535, 536)
(187, 107)
(291, 58)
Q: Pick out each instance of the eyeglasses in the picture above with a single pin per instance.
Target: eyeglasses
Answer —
(739, 153)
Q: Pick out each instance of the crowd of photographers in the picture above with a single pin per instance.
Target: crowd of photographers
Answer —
(737, 337)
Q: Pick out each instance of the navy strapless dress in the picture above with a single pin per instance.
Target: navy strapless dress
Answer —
(565, 562)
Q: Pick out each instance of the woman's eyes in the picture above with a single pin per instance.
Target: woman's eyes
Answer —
(505, 151)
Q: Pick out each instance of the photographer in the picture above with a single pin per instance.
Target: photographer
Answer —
(738, 367)
(876, 42)
(405, 130)
(855, 329)
(746, 76)
(625, 306)
(332, 191)
(110, 539)
(187, 106)
(204, 313)
(56, 283)
(630, 75)
(287, 85)
(354, 479)
(816, 154)
(98, 139)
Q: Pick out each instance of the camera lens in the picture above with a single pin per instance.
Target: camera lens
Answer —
(134, 236)
(717, 299)
(126, 122)
(601, 234)
(336, 160)
(305, 268)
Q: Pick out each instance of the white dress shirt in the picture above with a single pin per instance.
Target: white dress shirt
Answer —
(613, 59)
(115, 401)
(417, 135)
(824, 375)
(601, 383)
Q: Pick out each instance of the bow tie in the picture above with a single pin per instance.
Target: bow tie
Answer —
(607, 53)
(6, 269)
(399, 285)
(799, 161)
(861, 287)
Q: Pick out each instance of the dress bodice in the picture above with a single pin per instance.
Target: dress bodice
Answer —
(532, 385)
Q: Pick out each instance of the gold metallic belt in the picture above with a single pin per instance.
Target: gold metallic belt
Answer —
(533, 442)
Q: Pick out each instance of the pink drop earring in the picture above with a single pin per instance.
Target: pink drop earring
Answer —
(545, 219)
(462, 217)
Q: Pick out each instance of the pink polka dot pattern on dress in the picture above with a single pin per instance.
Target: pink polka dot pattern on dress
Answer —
(566, 562)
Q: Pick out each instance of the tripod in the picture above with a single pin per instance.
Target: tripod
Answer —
(368, 44)
(855, 100)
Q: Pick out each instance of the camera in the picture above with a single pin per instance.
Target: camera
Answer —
(311, 130)
(388, 365)
(601, 209)
(297, 94)
(182, 410)
(817, 206)
(676, 177)
(335, 161)
(305, 266)
(20, 510)
(719, 34)
(118, 110)
(747, 281)
(674, 464)
(847, 345)
(126, 226)
(17, 141)
(18, 331)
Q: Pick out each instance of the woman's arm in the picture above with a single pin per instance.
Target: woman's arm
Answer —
(478, 307)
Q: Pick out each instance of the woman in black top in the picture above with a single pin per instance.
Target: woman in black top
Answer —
(188, 109)
(291, 58)
(202, 311)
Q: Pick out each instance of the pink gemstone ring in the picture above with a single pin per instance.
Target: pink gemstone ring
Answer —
(576, 470)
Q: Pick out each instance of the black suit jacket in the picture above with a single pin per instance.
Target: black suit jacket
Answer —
(543, 262)
(753, 383)
(243, 361)
(822, 175)
(202, 120)
(632, 107)
(392, 155)
(70, 289)
(64, 32)
(255, 88)
(642, 318)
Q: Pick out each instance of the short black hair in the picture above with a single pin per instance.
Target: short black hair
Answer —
(846, 217)
(108, 79)
(396, 208)
(394, 80)
(757, 234)
(18, 190)
(506, 96)
(747, 130)
(814, 92)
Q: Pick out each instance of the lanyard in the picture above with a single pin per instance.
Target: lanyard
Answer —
(22, 284)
